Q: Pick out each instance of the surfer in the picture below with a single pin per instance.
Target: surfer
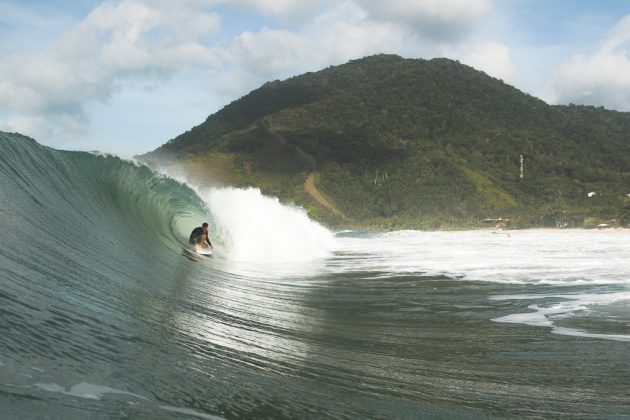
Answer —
(199, 237)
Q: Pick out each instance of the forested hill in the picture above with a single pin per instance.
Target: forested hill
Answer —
(390, 142)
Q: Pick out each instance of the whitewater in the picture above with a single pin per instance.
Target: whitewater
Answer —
(102, 315)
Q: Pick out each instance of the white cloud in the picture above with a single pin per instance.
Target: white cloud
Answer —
(266, 52)
(349, 31)
(437, 20)
(127, 39)
(341, 33)
(282, 8)
(602, 78)
(492, 58)
(57, 131)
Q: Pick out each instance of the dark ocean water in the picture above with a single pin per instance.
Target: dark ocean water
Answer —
(101, 316)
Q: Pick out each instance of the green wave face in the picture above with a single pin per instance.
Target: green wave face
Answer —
(97, 212)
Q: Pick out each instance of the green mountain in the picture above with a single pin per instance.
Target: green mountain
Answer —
(389, 142)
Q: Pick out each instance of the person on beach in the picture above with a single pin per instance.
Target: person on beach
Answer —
(199, 237)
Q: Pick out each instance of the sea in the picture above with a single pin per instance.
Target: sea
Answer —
(104, 315)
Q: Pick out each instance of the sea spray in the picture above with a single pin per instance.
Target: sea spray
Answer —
(258, 228)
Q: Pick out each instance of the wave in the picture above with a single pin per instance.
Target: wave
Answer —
(99, 204)
(92, 274)
(88, 203)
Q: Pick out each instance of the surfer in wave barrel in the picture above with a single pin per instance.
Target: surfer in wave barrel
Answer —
(199, 238)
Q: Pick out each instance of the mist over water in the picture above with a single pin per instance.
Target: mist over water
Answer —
(102, 315)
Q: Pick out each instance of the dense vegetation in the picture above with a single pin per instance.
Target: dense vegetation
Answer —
(397, 143)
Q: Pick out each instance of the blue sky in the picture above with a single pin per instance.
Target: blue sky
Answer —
(125, 76)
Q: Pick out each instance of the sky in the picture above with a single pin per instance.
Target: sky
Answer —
(125, 76)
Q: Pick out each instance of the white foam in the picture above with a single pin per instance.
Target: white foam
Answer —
(573, 257)
(190, 412)
(96, 392)
(85, 390)
(257, 228)
(544, 315)
(537, 257)
(580, 333)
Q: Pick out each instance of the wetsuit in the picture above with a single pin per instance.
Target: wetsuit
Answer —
(195, 236)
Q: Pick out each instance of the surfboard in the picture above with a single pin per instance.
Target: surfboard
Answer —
(196, 256)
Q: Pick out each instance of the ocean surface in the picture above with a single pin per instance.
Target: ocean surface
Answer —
(103, 316)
